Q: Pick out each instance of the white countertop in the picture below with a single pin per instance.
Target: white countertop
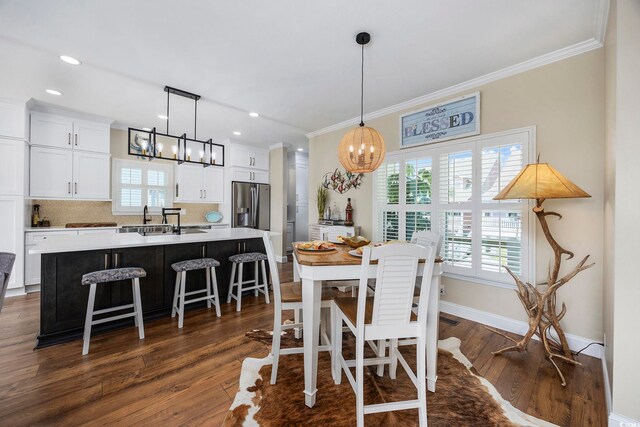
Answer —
(62, 228)
(89, 242)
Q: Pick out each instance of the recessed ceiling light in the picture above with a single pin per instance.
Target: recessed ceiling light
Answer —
(300, 149)
(163, 117)
(253, 114)
(147, 129)
(236, 132)
(53, 92)
(70, 60)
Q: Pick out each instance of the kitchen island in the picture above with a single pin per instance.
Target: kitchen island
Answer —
(63, 299)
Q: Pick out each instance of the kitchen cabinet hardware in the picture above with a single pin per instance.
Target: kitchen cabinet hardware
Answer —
(115, 260)
(76, 140)
(177, 190)
(69, 138)
(106, 261)
(75, 188)
(69, 187)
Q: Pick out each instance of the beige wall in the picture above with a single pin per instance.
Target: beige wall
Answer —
(278, 183)
(624, 144)
(609, 186)
(61, 212)
(565, 100)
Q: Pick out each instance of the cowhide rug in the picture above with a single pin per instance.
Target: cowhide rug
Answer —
(462, 397)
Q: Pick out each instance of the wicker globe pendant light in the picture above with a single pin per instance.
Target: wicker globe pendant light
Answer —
(362, 149)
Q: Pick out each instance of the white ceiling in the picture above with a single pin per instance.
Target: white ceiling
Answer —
(295, 62)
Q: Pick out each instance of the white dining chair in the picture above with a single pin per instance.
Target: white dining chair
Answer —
(288, 296)
(387, 315)
(428, 238)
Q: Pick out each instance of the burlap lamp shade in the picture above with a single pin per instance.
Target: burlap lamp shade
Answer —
(361, 150)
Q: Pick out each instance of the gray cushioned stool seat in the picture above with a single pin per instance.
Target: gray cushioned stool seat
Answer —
(195, 264)
(248, 257)
(113, 275)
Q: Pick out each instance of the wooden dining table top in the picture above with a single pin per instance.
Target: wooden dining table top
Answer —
(339, 256)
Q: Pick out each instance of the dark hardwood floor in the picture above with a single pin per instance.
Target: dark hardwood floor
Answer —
(189, 376)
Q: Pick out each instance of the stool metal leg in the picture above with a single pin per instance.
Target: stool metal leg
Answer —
(239, 292)
(88, 319)
(233, 275)
(265, 282)
(208, 287)
(176, 292)
(183, 284)
(137, 303)
(214, 285)
(256, 282)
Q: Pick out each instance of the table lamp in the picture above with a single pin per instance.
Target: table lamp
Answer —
(540, 181)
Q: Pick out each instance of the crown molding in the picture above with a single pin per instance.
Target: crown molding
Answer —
(602, 17)
(530, 64)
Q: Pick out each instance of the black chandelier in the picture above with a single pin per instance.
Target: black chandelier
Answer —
(150, 144)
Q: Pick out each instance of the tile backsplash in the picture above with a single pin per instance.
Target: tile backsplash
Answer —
(61, 212)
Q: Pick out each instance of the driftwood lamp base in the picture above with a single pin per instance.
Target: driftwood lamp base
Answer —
(540, 306)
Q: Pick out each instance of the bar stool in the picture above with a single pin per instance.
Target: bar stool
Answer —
(238, 261)
(113, 275)
(179, 294)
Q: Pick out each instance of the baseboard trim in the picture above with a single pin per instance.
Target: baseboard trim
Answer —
(607, 383)
(281, 259)
(616, 420)
(515, 326)
(15, 292)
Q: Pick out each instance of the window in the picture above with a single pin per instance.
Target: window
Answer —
(449, 188)
(138, 183)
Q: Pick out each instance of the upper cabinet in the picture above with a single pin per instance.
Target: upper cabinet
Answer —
(66, 174)
(249, 157)
(196, 184)
(51, 130)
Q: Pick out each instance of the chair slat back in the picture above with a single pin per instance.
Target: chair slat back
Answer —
(395, 282)
(428, 238)
(273, 268)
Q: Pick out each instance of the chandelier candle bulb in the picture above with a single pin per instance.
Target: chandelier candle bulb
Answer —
(188, 154)
(201, 155)
(175, 151)
(144, 148)
(160, 147)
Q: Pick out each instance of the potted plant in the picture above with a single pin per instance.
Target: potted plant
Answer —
(321, 197)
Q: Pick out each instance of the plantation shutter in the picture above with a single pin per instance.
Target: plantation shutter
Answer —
(388, 198)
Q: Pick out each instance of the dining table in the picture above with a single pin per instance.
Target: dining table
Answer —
(314, 268)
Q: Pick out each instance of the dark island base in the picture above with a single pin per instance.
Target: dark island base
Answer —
(63, 300)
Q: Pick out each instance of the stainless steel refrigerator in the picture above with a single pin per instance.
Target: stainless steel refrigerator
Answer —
(251, 204)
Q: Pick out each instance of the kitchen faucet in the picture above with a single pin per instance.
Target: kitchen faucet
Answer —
(145, 211)
(171, 211)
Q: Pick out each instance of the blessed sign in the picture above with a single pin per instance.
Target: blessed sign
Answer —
(455, 118)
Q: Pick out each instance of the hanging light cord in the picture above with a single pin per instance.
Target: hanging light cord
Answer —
(362, 88)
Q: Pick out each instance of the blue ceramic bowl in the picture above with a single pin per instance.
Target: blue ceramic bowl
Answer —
(213, 216)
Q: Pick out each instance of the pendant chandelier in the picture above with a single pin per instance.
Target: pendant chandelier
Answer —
(362, 149)
(149, 143)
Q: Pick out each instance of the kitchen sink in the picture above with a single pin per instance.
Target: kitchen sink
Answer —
(160, 230)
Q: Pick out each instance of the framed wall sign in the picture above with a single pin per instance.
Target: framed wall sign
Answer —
(455, 118)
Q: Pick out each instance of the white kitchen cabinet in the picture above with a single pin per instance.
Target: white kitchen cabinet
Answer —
(91, 175)
(213, 185)
(51, 173)
(32, 261)
(66, 174)
(11, 235)
(302, 185)
(245, 175)
(196, 184)
(13, 155)
(249, 157)
(91, 136)
(52, 130)
(13, 119)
